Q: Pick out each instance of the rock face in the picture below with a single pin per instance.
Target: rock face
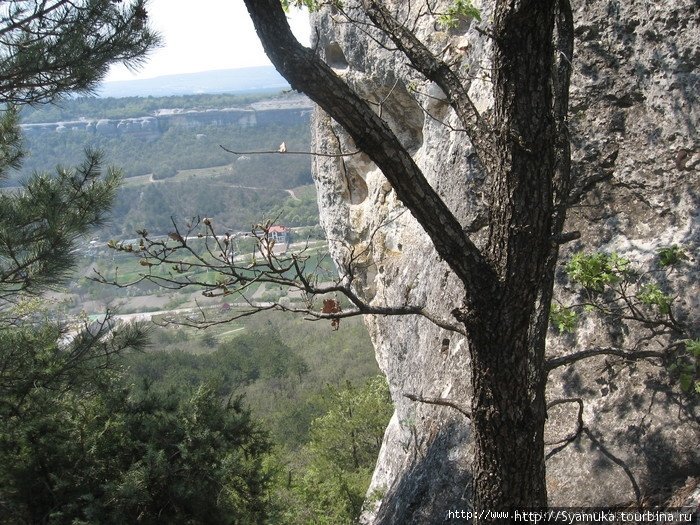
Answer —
(257, 114)
(634, 117)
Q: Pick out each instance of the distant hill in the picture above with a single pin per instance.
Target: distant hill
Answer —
(242, 80)
(169, 150)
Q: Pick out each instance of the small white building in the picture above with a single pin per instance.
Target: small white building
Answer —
(279, 234)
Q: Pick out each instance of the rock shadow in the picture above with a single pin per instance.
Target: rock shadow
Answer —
(433, 485)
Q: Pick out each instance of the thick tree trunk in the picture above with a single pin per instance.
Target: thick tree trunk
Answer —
(506, 332)
(508, 414)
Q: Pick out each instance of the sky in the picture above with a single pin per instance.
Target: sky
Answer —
(216, 34)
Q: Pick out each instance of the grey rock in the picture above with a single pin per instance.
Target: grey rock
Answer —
(106, 127)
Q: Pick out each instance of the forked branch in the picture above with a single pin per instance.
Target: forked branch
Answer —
(436, 70)
(286, 152)
(373, 136)
(187, 258)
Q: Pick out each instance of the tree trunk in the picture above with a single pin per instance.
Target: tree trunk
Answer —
(506, 331)
(508, 415)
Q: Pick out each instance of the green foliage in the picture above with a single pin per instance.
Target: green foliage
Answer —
(72, 109)
(311, 5)
(218, 197)
(651, 295)
(563, 318)
(237, 192)
(300, 210)
(34, 358)
(40, 224)
(77, 445)
(128, 455)
(600, 272)
(285, 367)
(597, 270)
(458, 10)
(53, 47)
(671, 255)
(259, 355)
(611, 287)
(686, 367)
(341, 456)
(693, 346)
(235, 363)
(282, 364)
(11, 150)
(185, 148)
(164, 171)
(350, 433)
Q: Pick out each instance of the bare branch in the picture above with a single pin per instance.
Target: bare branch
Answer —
(286, 152)
(631, 355)
(179, 260)
(440, 402)
(439, 72)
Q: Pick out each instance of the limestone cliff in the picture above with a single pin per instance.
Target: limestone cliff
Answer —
(634, 117)
(265, 112)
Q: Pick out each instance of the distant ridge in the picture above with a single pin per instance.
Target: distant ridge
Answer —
(242, 80)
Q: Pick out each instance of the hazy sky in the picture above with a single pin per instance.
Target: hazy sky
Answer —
(204, 35)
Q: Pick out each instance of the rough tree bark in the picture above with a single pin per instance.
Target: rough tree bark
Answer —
(524, 149)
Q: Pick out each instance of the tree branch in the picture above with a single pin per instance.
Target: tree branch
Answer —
(278, 152)
(440, 402)
(308, 73)
(38, 13)
(176, 265)
(439, 72)
(631, 355)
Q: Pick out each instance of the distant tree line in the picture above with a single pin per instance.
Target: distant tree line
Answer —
(130, 107)
(246, 192)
